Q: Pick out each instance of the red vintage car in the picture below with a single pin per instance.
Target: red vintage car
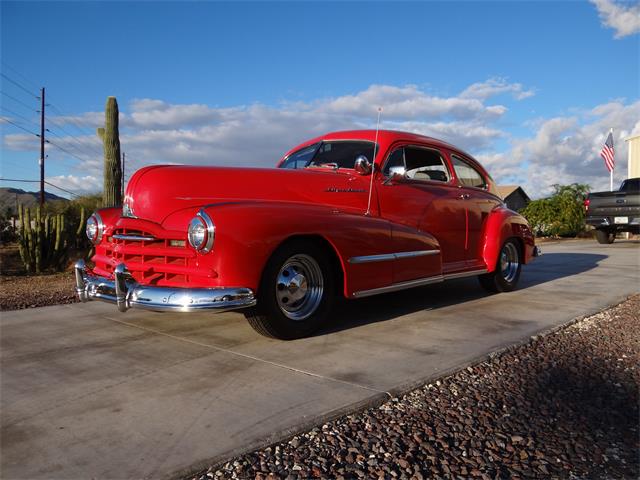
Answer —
(354, 213)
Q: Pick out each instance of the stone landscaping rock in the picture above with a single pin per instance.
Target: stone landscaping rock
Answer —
(564, 405)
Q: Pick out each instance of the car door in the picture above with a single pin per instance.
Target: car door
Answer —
(418, 196)
(479, 203)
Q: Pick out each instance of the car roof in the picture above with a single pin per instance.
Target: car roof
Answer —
(385, 138)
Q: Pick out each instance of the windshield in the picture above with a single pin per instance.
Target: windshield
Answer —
(334, 154)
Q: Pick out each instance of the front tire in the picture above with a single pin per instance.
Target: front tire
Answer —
(507, 272)
(604, 236)
(296, 292)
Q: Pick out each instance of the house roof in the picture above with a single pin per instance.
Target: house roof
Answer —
(506, 190)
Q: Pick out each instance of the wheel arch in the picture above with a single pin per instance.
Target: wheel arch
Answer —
(502, 225)
(337, 263)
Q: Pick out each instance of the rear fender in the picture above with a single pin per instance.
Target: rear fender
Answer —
(501, 225)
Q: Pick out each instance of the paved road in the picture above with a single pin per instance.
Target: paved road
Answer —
(87, 392)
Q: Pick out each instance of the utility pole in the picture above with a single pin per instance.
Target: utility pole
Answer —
(122, 178)
(42, 147)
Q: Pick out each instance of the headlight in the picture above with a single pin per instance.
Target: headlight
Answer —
(94, 229)
(201, 232)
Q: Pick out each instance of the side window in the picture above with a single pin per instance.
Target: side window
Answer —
(395, 164)
(425, 164)
(467, 175)
(300, 158)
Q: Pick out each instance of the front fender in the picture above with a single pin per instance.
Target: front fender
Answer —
(247, 234)
(501, 225)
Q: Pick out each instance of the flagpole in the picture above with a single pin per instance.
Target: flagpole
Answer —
(611, 171)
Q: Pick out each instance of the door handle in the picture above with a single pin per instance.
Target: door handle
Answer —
(463, 196)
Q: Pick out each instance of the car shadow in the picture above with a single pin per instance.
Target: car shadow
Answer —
(354, 313)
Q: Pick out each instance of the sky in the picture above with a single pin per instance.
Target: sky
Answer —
(530, 89)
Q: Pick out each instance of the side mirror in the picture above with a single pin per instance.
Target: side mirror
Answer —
(362, 165)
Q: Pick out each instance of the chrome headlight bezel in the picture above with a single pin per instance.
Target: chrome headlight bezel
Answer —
(201, 224)
(94, 228)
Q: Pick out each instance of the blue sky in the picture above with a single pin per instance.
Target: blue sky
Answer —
(530, 88)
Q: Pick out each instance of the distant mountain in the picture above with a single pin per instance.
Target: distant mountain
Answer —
(10, 197)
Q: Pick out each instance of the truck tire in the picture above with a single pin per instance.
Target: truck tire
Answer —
(604, 236)
(296, 292)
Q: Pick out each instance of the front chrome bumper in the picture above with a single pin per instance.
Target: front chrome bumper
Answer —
(126, 293)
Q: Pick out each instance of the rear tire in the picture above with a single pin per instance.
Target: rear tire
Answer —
(604, 236)
(296, 292)
(507, 272)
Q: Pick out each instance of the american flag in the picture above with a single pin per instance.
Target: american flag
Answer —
(607, 153)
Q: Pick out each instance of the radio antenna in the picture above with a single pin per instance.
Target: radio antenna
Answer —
(373, 163)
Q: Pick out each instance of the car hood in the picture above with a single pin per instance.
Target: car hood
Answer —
(155, 192)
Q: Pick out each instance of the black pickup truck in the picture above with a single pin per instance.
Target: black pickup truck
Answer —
(613, 212)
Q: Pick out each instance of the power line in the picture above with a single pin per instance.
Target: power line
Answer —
(60, 188)
(5, 119)
(19, 85)
(64, 150)
(80, 152)
(82, 129)
(93, 149)
(30, 107)
(38, 181)
(33, 85)
(11, 112)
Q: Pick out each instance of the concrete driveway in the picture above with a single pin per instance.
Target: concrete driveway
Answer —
(87, 392)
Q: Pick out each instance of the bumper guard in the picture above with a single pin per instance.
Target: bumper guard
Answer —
(126, 293)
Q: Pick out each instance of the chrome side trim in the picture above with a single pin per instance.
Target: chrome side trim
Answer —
(473, 273)
(398, 286)
(392, 256)
(416, 283)
(123, 291)
(133, 238)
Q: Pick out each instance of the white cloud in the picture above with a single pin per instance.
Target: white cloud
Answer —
(567, 149)
(76, 183)
(408, 102)
(563, 149)
(624, 19)
(496, 86)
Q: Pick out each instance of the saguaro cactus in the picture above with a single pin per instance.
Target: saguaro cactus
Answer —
(43, 240)
(112, 191)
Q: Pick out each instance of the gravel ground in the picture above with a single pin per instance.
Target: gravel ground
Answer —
(26, 291)
(564, 405)
(19, 290)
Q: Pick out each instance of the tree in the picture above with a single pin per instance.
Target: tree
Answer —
(560, 215)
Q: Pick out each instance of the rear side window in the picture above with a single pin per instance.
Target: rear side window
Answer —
(631, 185)
(468, 175)
(418, 164)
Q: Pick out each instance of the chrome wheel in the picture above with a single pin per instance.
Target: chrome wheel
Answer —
(299, 287)
(509, 262)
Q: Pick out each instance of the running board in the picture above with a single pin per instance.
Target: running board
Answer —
(416, 283)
